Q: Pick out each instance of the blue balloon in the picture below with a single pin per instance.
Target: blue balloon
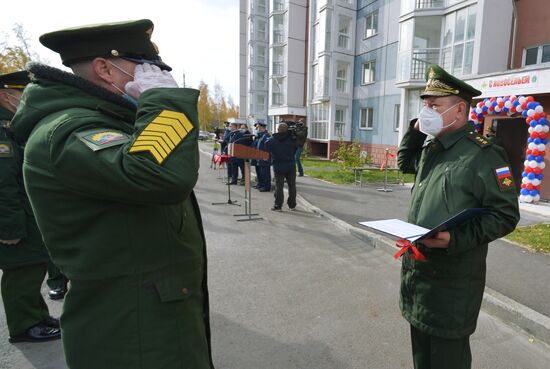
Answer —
(530, 157)
(531, 105)
(516, 102)
(484, 108)
(537, 141)
(524, 191)
(533, 123)
(529, 140)
(533, 193)
(480, 116)
(524, 113)
(543, 121)
(541, 177)
(539, 159)
(545, 141)
(531, 176)
(505, 110)
(524, 174)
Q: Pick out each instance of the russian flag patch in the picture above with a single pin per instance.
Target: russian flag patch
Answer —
(504, 178)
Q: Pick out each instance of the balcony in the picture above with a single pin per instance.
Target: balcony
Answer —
(279, 5)
(278, 68)
(428, 4)
(412, 65)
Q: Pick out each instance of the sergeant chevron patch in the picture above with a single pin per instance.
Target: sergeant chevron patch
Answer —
(162, 135)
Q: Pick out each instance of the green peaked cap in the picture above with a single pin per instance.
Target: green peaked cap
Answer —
(441, 83)
(130, 40)
(17, 80)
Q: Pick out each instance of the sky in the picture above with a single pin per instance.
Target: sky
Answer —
(197, 37)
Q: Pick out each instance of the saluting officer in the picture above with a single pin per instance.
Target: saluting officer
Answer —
(23, 256)
(456, 170)
(263, 167)
(110, 165)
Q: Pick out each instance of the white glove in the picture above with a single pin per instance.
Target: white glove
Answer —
(147, 76)
(10, 242)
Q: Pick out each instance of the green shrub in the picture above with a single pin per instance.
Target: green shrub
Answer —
(349, 155)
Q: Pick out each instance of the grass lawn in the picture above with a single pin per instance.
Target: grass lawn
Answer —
(536, 238)
(316, 163)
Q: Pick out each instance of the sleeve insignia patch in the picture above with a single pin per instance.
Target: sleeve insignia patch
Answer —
(6, 150)
(504, 178)
(98, 139)
(163, 135)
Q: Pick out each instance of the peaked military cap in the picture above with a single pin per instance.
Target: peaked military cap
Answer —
(129, 40)
(15, 80)
(261, 122)
(441, 83)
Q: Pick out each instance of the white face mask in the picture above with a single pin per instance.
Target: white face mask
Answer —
(431, 121)
(17, 99)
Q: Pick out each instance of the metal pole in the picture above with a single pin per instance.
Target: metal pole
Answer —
(386, 189)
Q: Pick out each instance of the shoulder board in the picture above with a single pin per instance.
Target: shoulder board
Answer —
(100, 138)
(6, 149)
(480, 140)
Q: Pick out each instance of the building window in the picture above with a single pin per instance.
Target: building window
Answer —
(366, 118)
(260, 79)
(371, 24)
(368, 72)
(342, 77)
(260, 103)
(261, 30)
(344, 31)
(261, 6)
(319, 121)
(278, 28)
(277, 94)
(537, 55)
(278, 61)
(458, 41)
(340, 121)
(261, 54)
(396, 117)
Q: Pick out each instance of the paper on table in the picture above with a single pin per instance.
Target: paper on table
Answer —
(397, 228)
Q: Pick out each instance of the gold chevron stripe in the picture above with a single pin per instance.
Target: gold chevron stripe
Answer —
(162, 135)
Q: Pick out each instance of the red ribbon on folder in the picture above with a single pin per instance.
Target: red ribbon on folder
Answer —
(405, 246)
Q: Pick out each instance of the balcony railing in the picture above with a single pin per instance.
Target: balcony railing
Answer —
(278, 6)
(278, 37)
(278, 68)
(413, 64)
(427, 4)
(277, 98)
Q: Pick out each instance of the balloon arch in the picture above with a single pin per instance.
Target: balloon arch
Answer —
(536, 119)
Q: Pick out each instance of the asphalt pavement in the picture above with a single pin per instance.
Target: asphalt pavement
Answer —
(295, 291)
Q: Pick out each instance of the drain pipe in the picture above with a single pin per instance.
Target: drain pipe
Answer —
(514, 30)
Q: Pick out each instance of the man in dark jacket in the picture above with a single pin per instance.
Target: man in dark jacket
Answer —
(23, 256)
(456, 170)
(263, 167)
(282, 147)
(110, 165)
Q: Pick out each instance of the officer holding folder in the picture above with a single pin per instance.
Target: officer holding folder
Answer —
(455, 169)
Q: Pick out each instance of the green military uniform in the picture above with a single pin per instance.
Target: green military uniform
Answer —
(24, 264)
(441, 296)
(112, 190)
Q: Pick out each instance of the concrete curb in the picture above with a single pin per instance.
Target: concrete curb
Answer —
(509, 311)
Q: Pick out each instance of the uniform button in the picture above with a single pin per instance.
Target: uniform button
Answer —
(185, 291)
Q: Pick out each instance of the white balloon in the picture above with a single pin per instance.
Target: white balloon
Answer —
(519, 109)
(540, 147)
(528, 198)
(497, 109)
(478, 110)
(530, 112)
(521, 198)
(536, 198)
(525, 180)
(508, 104)
(538, 128)
(487, 103)
(500, 99)
(532, 146)
(542, 165)
(526, 163)
(546, 129)
(536, 182)
(533, 164)
(530, 130)
(521, 99)
(539, 109)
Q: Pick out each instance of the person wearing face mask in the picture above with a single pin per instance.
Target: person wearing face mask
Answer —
(455, 169)
(23, 256)
(111, 161)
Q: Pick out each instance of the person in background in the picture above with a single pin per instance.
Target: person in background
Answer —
(263, 167)
(23, 256)
(282, 147)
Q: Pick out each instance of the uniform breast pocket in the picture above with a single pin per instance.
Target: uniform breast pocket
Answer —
(457, 182)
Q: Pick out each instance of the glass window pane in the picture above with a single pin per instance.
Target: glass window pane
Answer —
(531, 56)
(468, 58)
(427, 31)
(457, 59)
(446, 58)
(406, 36)
(545, 54)
(471, 30)
(460, 26)
(448, 30)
